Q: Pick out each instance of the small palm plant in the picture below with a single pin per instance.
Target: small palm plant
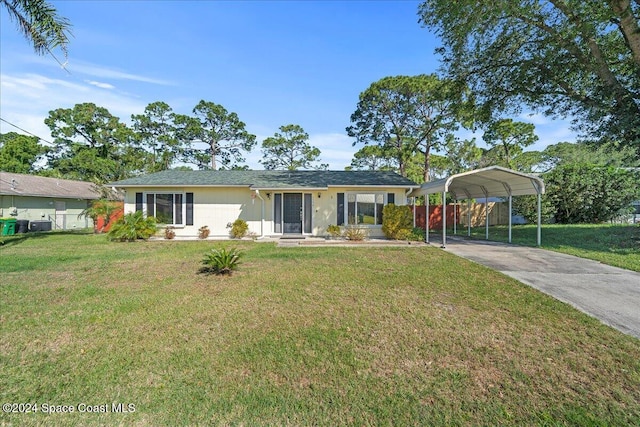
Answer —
(133, 226)
(221, 261)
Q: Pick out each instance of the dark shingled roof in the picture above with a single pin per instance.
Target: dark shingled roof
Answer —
(268, 179)
(17, 184)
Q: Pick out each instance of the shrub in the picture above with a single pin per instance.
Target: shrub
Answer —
(239, 228)
(203, 232)
(417, 234)
(133, 226)
(221, 261)
(397, 221)
(584, 193)
(169, 232)
(334, 230)
(355, 233)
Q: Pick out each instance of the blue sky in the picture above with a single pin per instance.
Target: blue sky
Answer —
(272, 62)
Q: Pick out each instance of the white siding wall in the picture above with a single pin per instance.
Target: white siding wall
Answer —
(216, 207)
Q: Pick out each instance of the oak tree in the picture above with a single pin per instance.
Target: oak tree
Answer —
(92, 145)
(565, 58)
(19, 153)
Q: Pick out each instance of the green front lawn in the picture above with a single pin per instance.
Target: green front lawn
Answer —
(617, 245)
(298, 336)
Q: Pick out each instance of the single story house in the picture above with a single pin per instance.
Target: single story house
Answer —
(273, 203)
(54, 200)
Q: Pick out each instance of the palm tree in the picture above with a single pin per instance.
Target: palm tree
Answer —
(40, 24)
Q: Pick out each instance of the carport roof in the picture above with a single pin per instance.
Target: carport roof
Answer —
(494, 181)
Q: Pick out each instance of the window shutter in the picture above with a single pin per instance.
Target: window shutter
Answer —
(307, 212)
(277, 213)
(340, 209)
(177, 201)
(391, 198)
(138, 202)
(189, 219)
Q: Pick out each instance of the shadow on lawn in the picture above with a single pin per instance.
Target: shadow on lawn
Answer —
(16, 239)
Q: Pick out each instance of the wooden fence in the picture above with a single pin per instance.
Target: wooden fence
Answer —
(498, 215)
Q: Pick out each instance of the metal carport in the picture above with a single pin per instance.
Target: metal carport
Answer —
(494, 181)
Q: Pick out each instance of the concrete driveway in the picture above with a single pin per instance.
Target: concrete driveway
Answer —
(607, 293)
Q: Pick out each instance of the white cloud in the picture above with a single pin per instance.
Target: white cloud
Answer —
(27, 99)
(100, 84)
(104, 72)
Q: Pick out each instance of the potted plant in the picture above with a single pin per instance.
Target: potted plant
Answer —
(169, 232)
(203, 232)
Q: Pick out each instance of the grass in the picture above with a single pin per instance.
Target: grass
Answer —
(297, 336)
(617, 245)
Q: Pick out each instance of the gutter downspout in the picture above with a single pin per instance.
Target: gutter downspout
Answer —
(261, 214)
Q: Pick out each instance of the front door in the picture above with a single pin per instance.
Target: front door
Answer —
(292, 213)
(61, 211)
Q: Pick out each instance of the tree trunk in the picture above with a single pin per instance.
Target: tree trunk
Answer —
(628, 26)
(427, 163)
(213, 155)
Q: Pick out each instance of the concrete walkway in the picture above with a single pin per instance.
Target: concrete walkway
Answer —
(607, 293)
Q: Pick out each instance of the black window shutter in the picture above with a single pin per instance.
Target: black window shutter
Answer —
(138, 202)
(391, 198)
(277, 213)
(189, 209)
(340, 209)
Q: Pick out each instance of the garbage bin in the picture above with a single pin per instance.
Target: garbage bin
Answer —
(40, 225)
(8, 226)
(22, 226)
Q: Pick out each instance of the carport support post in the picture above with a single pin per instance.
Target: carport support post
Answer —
(469, 217)
(426, 220)
(486, 215)
(510, 200)
(444, 219)
(539, 219)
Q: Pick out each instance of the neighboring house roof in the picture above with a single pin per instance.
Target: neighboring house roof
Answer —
(269, 180)
(16, 184)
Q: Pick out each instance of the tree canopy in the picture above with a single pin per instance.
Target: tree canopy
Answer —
(406, 115)
(19, 153)
(566, 58)
(156, 130)
(289, 149)
(92, 145)
(372, 157)
(509, 138)
(222, 131)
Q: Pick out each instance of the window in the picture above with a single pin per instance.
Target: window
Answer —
(365, 208)
(167, 208)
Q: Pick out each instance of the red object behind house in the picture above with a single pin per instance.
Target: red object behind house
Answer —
(100, 227)
(435, 216)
